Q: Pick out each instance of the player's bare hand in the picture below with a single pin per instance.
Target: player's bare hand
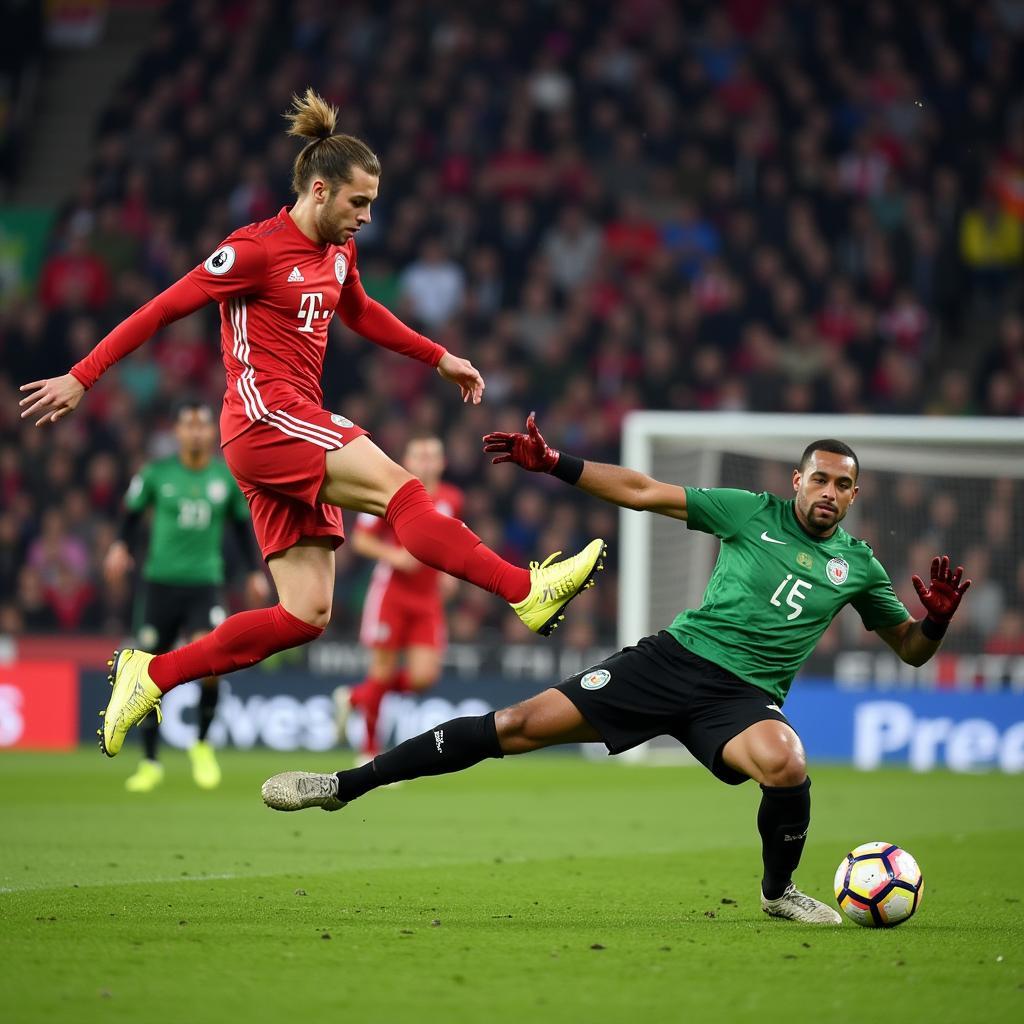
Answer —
(51, 399)
(463, 373)
(528, 450)
(941, 597)
(117, 563)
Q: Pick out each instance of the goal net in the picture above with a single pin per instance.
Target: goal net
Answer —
(928, 485)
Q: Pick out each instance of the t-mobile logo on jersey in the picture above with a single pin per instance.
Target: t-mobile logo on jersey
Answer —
(311, 307)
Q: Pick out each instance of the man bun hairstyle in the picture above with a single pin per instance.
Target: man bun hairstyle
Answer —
(327, 156)
(830, 444)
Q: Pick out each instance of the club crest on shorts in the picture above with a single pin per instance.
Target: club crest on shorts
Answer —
(341, 421)
(221, 261)
(596, 679)
(837, 570)
(340, 268)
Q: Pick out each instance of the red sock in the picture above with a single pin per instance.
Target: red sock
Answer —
(371, 695)
(400, 682)
(449, 545)
(238, 642)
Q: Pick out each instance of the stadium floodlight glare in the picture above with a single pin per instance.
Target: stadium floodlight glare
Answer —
(665, 567)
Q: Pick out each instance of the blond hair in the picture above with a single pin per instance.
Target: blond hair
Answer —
(327, 155)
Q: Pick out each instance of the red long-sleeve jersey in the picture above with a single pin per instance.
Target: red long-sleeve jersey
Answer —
(277, 291)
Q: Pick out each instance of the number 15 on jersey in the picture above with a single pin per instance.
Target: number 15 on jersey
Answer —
(794, 598)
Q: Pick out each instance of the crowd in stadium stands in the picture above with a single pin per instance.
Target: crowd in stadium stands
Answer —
(792, 207)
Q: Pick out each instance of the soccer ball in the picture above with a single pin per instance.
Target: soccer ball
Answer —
(879, 885)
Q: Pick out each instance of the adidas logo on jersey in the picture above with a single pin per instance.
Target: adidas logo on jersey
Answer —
(295, 276)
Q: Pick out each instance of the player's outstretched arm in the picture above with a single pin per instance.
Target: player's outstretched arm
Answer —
(54, 398)
(916, 640)
(616, 484)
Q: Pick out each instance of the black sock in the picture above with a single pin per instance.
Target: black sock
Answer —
(782, 820)
(451, 747)
(150, 731)
(208, 694)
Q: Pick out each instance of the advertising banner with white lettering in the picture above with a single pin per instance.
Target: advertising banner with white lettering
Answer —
(294, 710)
(964, 732)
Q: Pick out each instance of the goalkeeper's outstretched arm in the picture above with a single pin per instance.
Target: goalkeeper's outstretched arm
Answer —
(616, 484)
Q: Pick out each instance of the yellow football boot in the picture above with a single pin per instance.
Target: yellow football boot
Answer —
(205, 770)
(146, 778)
(554, 584)
(134, 695)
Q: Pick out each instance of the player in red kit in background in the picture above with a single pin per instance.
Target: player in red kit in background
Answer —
(278, 284)
(403, 613)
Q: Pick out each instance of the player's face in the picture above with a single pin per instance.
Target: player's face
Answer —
(341, 212)
(195, 433)
(824, 491)
(424, 458)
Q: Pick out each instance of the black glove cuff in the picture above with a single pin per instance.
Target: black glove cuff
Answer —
(568, 468)
(933, 630)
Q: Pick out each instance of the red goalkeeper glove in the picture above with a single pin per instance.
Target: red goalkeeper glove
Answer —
(528, 450)
(942, 597)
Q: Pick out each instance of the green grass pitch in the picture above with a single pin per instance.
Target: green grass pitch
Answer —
(545, 888)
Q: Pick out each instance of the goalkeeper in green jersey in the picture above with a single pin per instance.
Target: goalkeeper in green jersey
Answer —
(193, 499)
(717, 677)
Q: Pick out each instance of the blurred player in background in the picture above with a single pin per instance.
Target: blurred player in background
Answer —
(279, 283)
(717, 677)
(194, 500)
(403, 614)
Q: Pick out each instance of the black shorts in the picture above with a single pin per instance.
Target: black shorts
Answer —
(659, 688)
(167, 613)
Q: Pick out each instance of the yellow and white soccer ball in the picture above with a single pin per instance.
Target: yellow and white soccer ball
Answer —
(879, 885)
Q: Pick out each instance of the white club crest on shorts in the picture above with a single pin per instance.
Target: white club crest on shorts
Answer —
(596, 679)
(221, 261)
(341, 421)
(837, 570)
(340, 268)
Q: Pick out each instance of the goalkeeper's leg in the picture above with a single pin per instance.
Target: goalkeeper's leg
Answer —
(547, 720)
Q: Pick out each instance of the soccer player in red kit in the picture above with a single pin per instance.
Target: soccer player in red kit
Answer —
(403, 614)
(278, 284)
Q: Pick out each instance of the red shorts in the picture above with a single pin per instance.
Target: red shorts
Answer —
(394, 621)
(279, 464)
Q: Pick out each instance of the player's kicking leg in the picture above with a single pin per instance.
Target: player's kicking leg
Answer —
(547, 720)
(360, 477)
(771, 753)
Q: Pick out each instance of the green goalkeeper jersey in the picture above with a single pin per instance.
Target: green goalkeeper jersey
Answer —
(190, 510)
(775, 588)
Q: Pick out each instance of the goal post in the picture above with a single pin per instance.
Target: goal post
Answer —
(664, 567)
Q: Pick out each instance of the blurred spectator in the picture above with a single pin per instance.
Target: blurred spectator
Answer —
(433, 286)
(991, 244)
(75, 278)
(765, 206)
(572, 248)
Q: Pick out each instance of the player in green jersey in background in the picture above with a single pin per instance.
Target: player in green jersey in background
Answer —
(193, 498)
(717, 677)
